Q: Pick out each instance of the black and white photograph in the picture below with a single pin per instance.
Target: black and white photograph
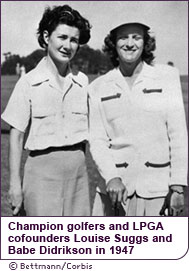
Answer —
(94, 98)
(94, 135)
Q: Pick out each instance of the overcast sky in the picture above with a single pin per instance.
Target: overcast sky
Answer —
(167, 19)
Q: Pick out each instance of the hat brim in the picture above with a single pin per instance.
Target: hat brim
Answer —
(145, 27)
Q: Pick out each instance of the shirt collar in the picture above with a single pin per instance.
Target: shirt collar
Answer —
(116, 76)
(148, 71)
(45, 71)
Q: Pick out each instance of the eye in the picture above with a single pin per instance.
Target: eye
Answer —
(122, 37)
(63, 37)
(137, 37)
(75, 40)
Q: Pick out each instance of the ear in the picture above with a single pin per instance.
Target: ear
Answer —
(46, 36)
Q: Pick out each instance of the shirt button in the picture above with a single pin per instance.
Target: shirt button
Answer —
(66, 136)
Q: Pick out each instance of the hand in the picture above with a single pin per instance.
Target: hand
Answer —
(117, 191)
(177, 203)
(15, 196)
(173, 204)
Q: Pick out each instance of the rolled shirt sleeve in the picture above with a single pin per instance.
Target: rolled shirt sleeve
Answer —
(17, 111)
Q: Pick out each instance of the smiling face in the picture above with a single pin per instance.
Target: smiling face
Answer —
(130, 44)
(62, 44)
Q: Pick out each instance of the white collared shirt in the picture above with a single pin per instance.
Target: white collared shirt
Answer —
(57, 116)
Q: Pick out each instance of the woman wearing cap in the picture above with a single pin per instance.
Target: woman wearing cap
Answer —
(51, 102)
(138, 136)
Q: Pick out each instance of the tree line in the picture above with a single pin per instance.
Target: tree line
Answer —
(88, 60)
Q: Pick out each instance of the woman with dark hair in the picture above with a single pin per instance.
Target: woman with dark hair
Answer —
(51, 104)
(138, 136)
(147, 54)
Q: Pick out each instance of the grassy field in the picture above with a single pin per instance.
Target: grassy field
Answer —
(7, 84)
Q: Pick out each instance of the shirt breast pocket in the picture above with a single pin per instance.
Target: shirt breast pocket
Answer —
(43, 121)
(80, 109)
(77, 103)
(152, 100)
(113, 106)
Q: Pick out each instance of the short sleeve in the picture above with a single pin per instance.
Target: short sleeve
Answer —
(17, 111)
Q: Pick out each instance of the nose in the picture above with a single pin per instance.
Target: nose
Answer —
(130, 42)
(67, 44)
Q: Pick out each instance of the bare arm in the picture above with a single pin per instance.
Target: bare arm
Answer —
(15, 154)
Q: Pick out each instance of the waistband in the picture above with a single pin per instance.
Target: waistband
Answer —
(79, 146)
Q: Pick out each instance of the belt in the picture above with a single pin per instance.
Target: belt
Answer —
(79, 146)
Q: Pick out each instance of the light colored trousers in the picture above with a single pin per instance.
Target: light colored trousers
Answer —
(56, 184)
(135, 206)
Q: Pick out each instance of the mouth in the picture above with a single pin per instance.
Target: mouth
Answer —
(129, 51)
(65, 54)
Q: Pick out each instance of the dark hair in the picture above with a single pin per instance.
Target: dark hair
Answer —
(147, 54)
(63, 15)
